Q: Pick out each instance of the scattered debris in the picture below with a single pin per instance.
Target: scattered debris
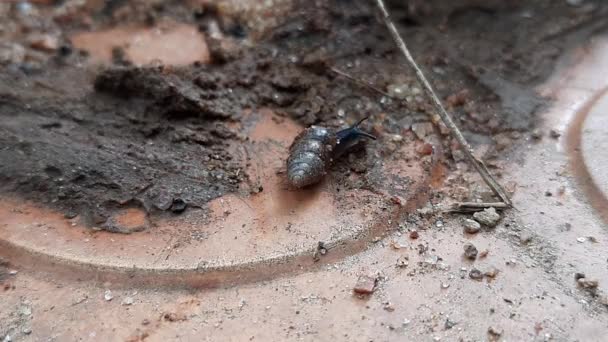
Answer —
(471, 226)
(470, 251)
(449, 324)
(494, 333)
(488, 217)
(365, 285)
(389, 307)
(44, 42)
(174, 317)
(587, 284)
(403, 261)
(475, 274)
(395, 245)
(525, 238)
(320, 251)
(108, 295)
(579, 275)
(127, 301)
(491, 273)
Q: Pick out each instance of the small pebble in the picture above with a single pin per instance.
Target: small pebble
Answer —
(108, 295)
(488, 217)
(471, 226)
(492, 272)
(587, 283)
(554, 134)
(127, 301)
(449, 324)
(495, 333)
(365, 285)
(414, 234)
(470, 251)
(403, 261)
(575, 3)
(475, 274)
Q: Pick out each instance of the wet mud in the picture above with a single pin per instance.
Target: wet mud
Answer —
(97, 140)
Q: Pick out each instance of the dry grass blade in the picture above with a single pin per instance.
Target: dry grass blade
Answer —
(445, 117)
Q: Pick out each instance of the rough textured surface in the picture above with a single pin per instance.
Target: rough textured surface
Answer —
(159, 137)
(424, 287)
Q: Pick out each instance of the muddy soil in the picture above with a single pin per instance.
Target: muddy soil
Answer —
(89, 140)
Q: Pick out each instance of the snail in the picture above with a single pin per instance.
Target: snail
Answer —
(315, 148)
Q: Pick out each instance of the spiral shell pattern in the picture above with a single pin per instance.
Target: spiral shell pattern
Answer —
(310, 156)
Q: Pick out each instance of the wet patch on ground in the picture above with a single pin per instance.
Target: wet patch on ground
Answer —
(160, 137)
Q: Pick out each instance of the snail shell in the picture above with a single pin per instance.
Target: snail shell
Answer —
(310, 156)
(313, 151)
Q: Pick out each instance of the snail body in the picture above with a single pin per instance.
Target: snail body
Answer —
(313, 151)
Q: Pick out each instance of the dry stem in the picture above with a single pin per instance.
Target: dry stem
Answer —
(445, 117)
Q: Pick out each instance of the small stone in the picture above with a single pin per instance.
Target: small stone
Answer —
(13, 272)
(575, 3)
(483, 254)
(537, 134)
(422, 129)
(475, 274)
(581, 239)
(108, 296)
(389, 307)
(11, 53)
(488, 217)
(554, 134)
(145, 321)
(174, 317)
(588, 283)
(178, 205)
(425, 149)
(7, 338)
(396, 138)
(449, 324)
(470, 251)
(403, 261)
(399, 91)
(127, 301)
(27, 330)
(579, 275)
(471, 226)
(525, 238)
(458, 99)
(494, 333)
(44, 42)
(414, 234)
(365, 285)
(491, 273)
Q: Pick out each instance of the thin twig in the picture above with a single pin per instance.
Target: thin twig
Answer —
(470, 207)
(445, 117)
(360, 82)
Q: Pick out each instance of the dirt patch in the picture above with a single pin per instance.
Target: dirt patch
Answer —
(163, 138)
